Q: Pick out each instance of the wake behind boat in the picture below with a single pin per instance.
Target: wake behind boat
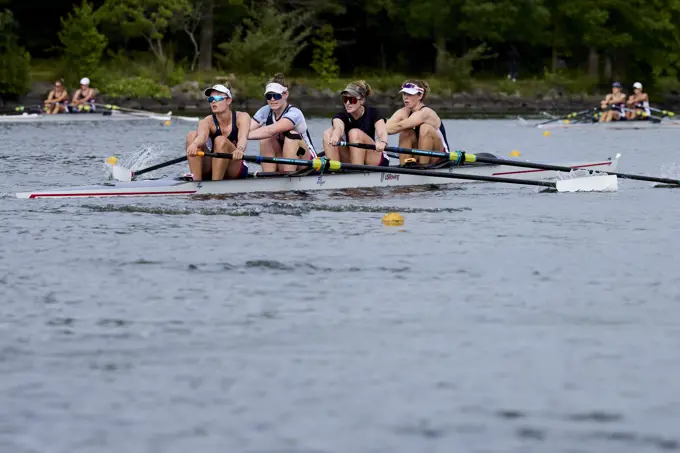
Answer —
(259, 182)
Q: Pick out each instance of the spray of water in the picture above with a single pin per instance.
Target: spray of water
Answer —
(142, 157)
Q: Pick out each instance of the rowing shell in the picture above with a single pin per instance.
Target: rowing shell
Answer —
(624, 125)
(77, 117)
(284, 183)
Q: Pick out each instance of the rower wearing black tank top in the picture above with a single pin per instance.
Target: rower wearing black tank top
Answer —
(210, 137)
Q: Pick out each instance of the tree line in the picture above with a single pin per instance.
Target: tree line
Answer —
(602, 39)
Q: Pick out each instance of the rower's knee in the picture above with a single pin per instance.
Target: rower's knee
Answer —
(327, 134)
(191, 136)
(426, 129)
(221, 145)
(356, 135)
(409, 134)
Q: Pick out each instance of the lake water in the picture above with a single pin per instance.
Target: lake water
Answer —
(497, 319)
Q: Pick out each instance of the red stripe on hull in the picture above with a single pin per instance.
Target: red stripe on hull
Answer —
(109, 194)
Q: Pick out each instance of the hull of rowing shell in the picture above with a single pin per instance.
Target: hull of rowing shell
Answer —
(625, 125)
(77, 117)
(304, 183)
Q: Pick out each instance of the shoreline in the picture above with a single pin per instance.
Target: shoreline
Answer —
(326, 102)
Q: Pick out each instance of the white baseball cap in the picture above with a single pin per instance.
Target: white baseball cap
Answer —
(275, 88)
(637, 85)
(84, 81)
(411, 88)
(220, 88)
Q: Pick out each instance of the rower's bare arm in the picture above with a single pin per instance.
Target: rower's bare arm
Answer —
(202, 132)
(394, 123)
(243, 123)
(381, 130)
(284, 125)
(420, 117)
(338, 130)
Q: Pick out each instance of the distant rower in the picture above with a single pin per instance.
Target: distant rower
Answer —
(57, 99)
(83, 98)
(418, 126)
(358, 123)
(224, 131)
(613, 104)
(637, 103)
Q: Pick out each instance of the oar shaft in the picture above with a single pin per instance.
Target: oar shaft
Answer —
(335, 165)
(454, 156)
(161, 165)
(568, 116)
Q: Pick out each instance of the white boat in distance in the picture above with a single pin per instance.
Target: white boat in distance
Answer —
(285, 183)
(622, 125)
(106, 115)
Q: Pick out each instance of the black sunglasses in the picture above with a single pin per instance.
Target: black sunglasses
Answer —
(275, 96)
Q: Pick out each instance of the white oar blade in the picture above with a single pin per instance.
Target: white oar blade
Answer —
(598, 183)
(121, 173)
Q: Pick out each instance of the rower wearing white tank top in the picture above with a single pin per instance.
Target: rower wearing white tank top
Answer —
(281, 128)
(418, 126)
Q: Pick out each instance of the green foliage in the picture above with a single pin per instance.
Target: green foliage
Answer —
(135, 87)
(324, 62)
(148, 19)
(269, 42)
(83, 45)
(459, 69)
(14, 59)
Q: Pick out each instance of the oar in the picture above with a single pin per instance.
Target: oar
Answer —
(569, 116)
(587, 184)
(148, 113)
(125, 174)
(663, 112)
(462, 156)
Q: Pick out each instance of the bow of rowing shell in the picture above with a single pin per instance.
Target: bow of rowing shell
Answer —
(330, 181)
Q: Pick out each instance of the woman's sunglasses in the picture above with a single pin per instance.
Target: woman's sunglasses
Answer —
(275, 96)
(212, 99)
(349, 100)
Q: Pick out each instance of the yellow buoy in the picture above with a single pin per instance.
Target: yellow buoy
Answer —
(567, 121)
(546, 133)
(515, 153)
(167, 123)
(111, 160)
(393, 219)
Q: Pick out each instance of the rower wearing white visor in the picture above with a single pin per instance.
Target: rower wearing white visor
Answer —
(224, 131)
(281, 128)
(83, 98)
(637, 103)
(358, 123)
(418, 126)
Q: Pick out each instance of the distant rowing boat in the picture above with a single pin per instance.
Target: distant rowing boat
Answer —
(283, 183)
(621, 124)
(90, 116)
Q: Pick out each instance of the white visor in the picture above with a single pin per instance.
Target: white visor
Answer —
(415, 89)
(220, 88)
(275, 88)
(84, 81)
(637, 85)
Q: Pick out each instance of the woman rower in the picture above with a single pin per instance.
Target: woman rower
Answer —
(281, 128)
(638, 103)
(418, 126)
(224, 131)
(57, 99)
(613, 104)
(358, 123)
(83, 98)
